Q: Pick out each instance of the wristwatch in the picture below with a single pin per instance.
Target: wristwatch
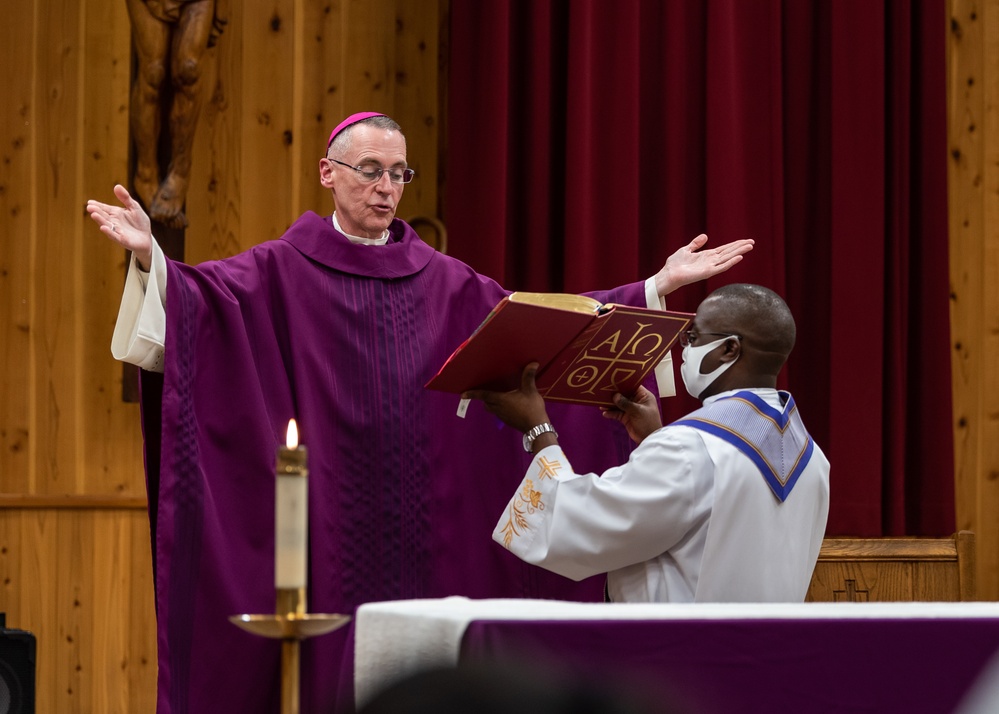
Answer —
(535, 432)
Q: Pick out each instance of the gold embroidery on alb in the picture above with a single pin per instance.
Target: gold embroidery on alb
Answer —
(527, 501)
(548, 468)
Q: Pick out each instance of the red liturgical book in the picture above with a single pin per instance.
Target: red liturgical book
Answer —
(587, 351)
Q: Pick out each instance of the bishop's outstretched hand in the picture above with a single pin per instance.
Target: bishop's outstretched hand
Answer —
(127, 224)
(693, 262)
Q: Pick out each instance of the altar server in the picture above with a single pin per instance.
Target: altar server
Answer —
(728, 504)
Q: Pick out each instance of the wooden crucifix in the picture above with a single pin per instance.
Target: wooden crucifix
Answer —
(170, 39)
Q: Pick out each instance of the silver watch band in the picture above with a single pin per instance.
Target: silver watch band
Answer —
(534, 432)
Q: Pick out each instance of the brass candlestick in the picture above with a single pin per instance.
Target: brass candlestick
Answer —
(291, 624)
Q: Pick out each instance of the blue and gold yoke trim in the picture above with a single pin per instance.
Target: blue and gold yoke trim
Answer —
(775, 440)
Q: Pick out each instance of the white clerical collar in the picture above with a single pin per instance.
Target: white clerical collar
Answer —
(382, 240)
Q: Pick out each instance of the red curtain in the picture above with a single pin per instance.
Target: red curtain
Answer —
(588, 140)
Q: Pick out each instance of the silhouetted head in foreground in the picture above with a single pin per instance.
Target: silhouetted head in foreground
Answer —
(505, 689)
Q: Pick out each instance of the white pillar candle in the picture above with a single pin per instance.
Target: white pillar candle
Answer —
(291, 513)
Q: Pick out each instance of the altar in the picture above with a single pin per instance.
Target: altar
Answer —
(908, 657)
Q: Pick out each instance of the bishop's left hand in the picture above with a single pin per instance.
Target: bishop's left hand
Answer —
(693, 262)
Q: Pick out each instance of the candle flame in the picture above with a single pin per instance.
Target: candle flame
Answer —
(292, 439)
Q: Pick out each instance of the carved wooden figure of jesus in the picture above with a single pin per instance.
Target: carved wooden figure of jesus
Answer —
(170, 38)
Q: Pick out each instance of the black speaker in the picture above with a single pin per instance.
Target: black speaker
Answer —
(17, 670)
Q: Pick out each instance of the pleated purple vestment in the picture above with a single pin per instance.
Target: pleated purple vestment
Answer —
(403, 494)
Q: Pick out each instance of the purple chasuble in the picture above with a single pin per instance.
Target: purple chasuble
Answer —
(403, 494)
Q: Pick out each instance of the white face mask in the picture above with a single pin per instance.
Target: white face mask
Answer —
(690, 370)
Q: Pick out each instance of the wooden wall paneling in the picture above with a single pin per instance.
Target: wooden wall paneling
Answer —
(17, 129)
(110, 591)
(965, 227)
(418, 82)
(320, 95)
(54, 428)
(973, 180)
(79, 580)
(111, 595)
(36, 604)
(110, 431)
(140, 623)
(443, 50)
(123, 631)
(11, 587)
(367, 36)
(71, 575)
(359, 56)
(213, 202)
(11, 555)
(266, 120)
(988, 472)
(385, 69)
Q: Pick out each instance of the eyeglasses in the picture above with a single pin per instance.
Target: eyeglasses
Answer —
(688, 338)
(370, 173)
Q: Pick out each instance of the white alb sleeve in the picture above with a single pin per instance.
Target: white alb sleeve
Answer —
(140, 332)
(579, 525)
(664, 370)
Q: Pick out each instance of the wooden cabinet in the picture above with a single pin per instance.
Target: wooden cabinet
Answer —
(895, 569)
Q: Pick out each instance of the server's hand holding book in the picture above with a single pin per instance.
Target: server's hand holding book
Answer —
(586, 351)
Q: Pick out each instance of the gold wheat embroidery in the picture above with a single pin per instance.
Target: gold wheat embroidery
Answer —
(527, 501)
